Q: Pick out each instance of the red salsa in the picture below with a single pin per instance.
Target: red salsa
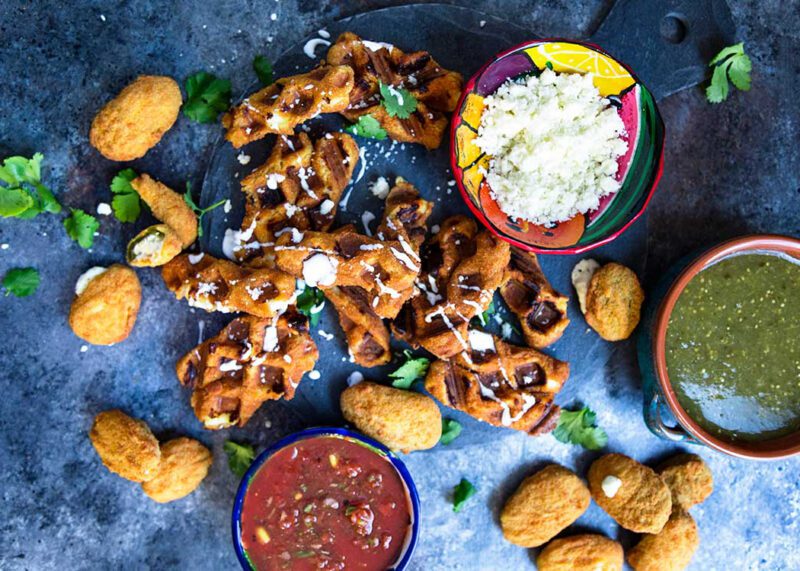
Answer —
(325, 503)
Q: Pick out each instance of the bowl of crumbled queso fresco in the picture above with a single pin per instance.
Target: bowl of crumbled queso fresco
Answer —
(556, 146)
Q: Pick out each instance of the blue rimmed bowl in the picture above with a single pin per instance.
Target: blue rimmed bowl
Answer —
(376, 447)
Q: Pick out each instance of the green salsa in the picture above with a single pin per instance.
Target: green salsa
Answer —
(733, 348)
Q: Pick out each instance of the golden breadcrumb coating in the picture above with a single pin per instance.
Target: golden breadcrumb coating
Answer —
(125, 445)
(587, 552)
(135, 120)
(184, 464)
(167, 206)
(688, 478)
(669, 550)
(544, 505)
(640, 501)
(402, 420)
(105, 312)
(614, 301)
(153, 247)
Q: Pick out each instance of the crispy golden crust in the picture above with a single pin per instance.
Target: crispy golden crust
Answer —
(219, 285)
(642, 503)
(288, 102)
(511, 387)
(436, 89)
(544, 504)
(184, 464)
(153, 247)
(367, 336)
(402, 420)
(541, 310)
(135, 120)
(251, 361)
(614, 301)
(587, 552)
(126, 445)
(669, 550)
(688, 478)
(105, 312)
(167, 206)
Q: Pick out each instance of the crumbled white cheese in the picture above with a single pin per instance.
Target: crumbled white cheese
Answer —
(104, 209)
(325, 335)
(380, 187)
(86, 277)
(554, 143)
(480, 341)
(243, 158)
(581, 276)
(506, 330)
(148, 246)
(611, 485)
(326, 206)
(227, 206)
(274, 179)
(314, 375)
(319, 269)
(270, 339)
(84, 348)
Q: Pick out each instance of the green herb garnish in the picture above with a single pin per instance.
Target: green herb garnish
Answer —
(81, 227)
(303, 554)
(578, 427)
(729, 64)
(368, 127)
(126, 200)
(206, 97)
(199, 212)
(21, 282)
(240, 456)
(310, 303)
(263, 70)
(397, 101)
(450, 430)
(461, 493)
(22, 194)
(414, 368)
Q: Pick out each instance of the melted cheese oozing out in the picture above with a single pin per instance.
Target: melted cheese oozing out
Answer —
(86, 277)
(148, 246)
(581, 276)
(611, 485)
(480, 341)
(319, 269)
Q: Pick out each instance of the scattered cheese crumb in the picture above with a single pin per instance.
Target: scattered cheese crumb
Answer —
(243, 158)
(380, 187)
(354, 378)
(314, 375)
(104, 209)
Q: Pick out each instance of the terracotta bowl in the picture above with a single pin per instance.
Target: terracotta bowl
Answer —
(660, 393)
(639, 169)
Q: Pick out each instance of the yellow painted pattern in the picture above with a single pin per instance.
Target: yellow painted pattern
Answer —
(473, 177)
(468, 151)
(472, 110)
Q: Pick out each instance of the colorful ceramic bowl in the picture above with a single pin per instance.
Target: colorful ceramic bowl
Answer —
(662, 412)
(639, 169)
(344, 433)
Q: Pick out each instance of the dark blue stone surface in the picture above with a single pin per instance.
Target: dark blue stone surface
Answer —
(730, 169)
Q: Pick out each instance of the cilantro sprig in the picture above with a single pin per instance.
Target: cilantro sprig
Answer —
(240, 456)
(412, 369)
(461, 493)
(398, 101)
(579, 427)
(310, 303)
(263, 69)
(81, 227)
(21, 282)
(206, 97)
(199, 212)
(451, 429)
(368, 127)
(125, 203)
(729, 64)
(22, 194)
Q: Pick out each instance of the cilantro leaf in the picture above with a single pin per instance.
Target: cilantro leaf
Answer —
(23, 195)
(368, 127)
(81, 227)
(732, 64)
(126, 200)
(240, 456)
(121, 183)
(461, 493)
(199, 212)
(399, 102)
(410, 371)
(263, 70)
(578, 427)
(22, 282)
(450, 430)
(206, 97)
(310, 303)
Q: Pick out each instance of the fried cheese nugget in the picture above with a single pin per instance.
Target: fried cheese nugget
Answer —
(135, 120)
(402, 420)
(688, 478)
(106, 305)
(544, 505)
(669, 550)
(126, 445)
(587, 552)
(153, 246)
(630, 492)
(614, 301)
(184, 464)
(168, 206)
